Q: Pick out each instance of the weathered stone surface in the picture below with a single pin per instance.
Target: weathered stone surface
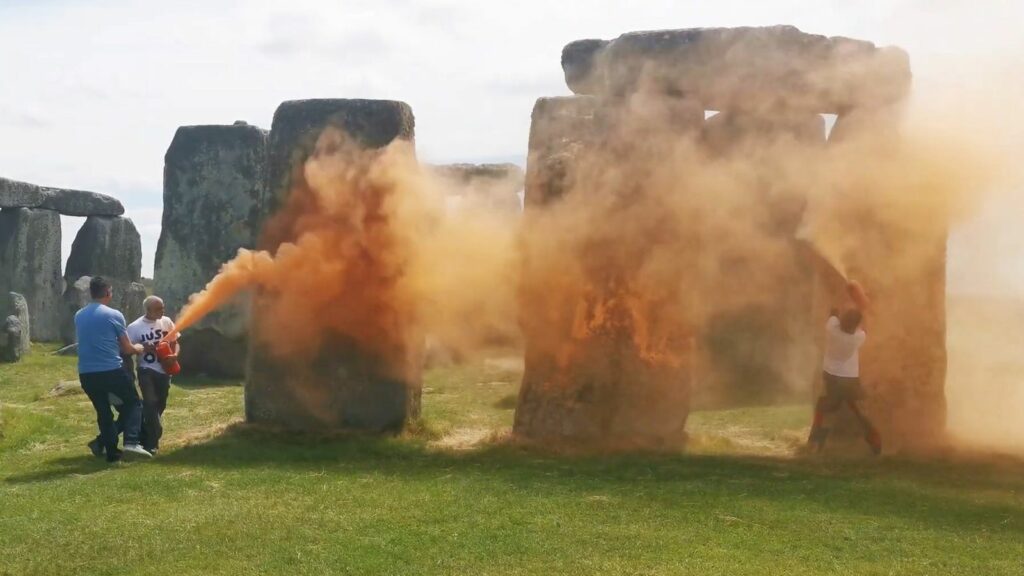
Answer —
(11, 349)
(30, 265)
(16, 305)
(559, 131)
(128, 298)
(718, 67)
(214, 184)
(81, 203)
(14, 330)
(343, 386)
(494, 187)
(211, 352)
(76, 296)
(108, 247)
(131, 304)
(298, 123)
(14, 194)
(66, 388)
(589, 376)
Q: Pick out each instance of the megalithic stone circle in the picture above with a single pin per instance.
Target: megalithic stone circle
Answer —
(770, 85)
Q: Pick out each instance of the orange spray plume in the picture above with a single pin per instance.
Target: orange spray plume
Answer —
(245, 270)
(364, 250)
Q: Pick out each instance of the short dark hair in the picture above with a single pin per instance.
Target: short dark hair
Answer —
(98, 287)
(850, 319)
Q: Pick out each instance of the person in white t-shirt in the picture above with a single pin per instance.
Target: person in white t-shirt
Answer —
(154, 381)
(844, 335)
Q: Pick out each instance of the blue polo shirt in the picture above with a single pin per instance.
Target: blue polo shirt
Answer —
(98, 328)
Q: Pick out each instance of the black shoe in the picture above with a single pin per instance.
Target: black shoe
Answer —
(115, 456)
(96, 448)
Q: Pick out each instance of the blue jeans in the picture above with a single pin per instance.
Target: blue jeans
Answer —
(102, 388)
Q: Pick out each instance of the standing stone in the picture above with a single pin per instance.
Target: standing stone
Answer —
(131, 303)
(30, 265)
(109, 247)
(343, 385)
(902, 266)
(76, 296)
(214, 186)
(298, 123)
(560, 130)
(602, 365)
(18, 307)
(11, 347)
(14, 311)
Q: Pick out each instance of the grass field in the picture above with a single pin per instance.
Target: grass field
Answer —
(455, 497)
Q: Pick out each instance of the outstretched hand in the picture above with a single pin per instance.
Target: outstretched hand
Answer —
(858, 294)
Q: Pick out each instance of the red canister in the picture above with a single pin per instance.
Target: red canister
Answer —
(168, 360)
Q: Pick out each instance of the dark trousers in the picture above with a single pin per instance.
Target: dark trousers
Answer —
(155, 387)
(839, 392)
(105, 389)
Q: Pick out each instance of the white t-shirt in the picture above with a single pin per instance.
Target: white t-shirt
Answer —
(143, 331)
(841, 350)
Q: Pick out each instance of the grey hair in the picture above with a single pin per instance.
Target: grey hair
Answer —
(150, 300)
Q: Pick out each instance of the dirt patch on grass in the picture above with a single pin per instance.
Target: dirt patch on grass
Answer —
(461, 439)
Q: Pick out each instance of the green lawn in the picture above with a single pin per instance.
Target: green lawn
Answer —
(456, 497)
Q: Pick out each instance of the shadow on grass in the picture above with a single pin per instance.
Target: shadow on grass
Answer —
(953, 494)
(946, 492)
(199, 382)
(66, 467)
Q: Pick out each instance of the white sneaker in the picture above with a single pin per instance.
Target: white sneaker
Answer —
(136, 450)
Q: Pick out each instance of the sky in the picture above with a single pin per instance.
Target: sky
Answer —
(93, 91)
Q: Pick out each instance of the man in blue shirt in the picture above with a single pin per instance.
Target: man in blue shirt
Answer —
(102, 338)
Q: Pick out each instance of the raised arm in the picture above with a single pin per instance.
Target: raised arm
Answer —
(860, 299)
(858, 295)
